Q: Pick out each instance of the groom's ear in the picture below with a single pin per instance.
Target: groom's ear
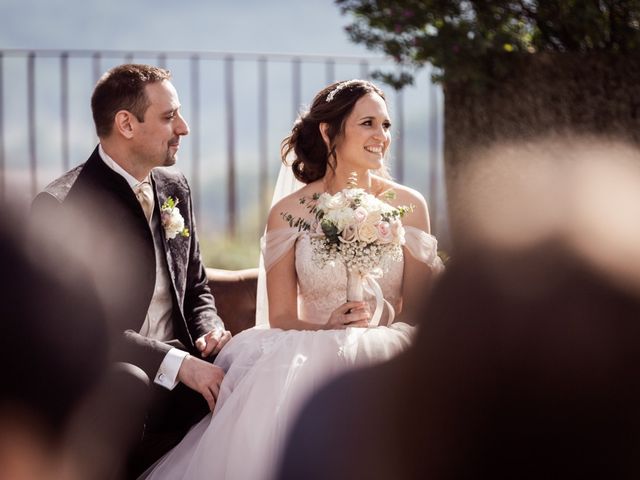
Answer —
(123, 123)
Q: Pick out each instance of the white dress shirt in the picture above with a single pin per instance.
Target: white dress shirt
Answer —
(157, 323)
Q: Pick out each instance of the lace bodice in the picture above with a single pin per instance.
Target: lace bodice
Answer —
(321, 290)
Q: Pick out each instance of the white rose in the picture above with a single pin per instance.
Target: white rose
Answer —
(370, 203)
(173, 223)
(342, 217)
(349, 234)
(367, 232)
(336, 201)
(353, 193)
(386, 208)
(373, 218)
(321, 203)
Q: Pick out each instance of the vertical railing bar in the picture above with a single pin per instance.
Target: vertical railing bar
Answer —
(31, 109)
(330, 70)
(231, 160)
(263, 129)
(97, 73)
(97, 67)
(162, 60)
(195, 134)
(400, 140)
(2, 163)
(297, 86)
(364, 70)
(64, 108)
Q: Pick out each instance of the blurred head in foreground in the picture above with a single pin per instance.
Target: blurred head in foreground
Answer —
(46, 372)
(525, 366)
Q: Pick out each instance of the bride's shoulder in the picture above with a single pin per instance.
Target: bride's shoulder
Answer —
(293, 205)
(407, 196)
(403, 194)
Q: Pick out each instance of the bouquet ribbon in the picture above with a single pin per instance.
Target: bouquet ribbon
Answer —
(372, 287)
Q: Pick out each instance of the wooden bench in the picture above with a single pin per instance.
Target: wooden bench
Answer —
(234, 292)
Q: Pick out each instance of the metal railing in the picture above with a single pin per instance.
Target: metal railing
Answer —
(39, 71)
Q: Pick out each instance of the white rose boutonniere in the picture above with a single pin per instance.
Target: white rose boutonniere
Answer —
(172, 219)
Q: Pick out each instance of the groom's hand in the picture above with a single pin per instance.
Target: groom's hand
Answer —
(212, 342)
(202, 377)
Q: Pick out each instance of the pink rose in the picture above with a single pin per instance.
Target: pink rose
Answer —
(360, 215)
(384, 232)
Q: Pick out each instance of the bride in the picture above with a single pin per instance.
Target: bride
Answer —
(314, 332)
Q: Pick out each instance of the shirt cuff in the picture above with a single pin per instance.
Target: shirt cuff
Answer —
(167, 375)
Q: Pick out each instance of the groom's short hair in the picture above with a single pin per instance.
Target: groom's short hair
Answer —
(123, 88)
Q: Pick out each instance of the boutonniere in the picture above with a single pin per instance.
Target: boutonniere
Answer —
(172, 219)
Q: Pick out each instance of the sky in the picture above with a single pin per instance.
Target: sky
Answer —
(302, 26)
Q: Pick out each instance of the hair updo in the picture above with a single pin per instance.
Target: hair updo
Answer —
(331, 105)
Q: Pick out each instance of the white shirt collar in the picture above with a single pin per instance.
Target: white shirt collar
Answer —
(111, 163)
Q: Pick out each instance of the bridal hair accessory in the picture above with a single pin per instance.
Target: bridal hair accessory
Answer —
(357, 229)
(339, 87)
(172, 219)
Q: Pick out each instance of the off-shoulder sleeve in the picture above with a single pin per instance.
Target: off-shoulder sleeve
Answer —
(276, 243)
(423, 247)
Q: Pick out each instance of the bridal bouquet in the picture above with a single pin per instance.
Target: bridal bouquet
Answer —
(353, 227)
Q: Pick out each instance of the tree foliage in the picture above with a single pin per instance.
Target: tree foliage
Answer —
(472, 41)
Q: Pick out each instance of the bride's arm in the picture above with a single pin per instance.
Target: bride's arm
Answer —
(417, 277)
(282, 287)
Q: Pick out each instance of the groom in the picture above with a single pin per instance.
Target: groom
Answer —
(132, 218)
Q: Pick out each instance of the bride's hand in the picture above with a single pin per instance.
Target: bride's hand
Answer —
(350, 314)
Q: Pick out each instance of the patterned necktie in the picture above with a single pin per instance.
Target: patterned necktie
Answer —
(144, 194)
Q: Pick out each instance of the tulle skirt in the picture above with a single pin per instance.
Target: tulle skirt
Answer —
(269, 375)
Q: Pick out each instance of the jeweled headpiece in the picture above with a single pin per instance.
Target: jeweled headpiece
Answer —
(339, 87)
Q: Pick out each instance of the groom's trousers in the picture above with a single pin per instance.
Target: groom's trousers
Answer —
(169, 418)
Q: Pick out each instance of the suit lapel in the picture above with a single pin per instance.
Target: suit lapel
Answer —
(177, 249)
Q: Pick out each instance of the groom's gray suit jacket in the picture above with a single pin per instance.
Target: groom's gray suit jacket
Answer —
(94, 207)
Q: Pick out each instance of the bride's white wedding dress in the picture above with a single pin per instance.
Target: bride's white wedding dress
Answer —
(270, 372)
